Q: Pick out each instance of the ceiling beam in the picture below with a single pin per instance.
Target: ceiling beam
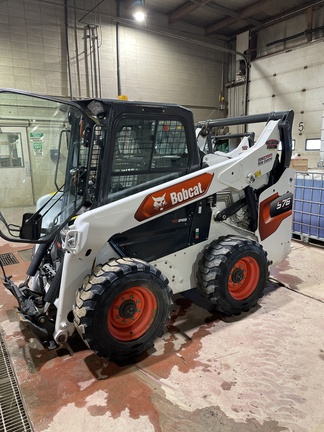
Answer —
(229, 12)
(243, 15)
(186, 9)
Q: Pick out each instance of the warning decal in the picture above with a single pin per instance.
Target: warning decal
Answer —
(264, 159)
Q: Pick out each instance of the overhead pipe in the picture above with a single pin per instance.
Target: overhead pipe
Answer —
(89, 42)
(86, 55)
(119, 92)
(293, 12)
(296, 35)
(98, 64)
(94, 60)
(77, 51)
(91, 10)
(67, 46)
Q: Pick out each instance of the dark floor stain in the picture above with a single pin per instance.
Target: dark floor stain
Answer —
(294, 281)
(210, 419)
(228, 385)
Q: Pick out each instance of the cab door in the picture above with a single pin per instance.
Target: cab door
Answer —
(15, 171)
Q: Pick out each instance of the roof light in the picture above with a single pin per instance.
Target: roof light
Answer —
(138, 10)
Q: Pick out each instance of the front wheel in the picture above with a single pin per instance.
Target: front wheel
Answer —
(122, 308)
(233, 273)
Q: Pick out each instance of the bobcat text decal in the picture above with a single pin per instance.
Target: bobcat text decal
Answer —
(173, 196)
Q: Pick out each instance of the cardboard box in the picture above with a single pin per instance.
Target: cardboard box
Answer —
(299, 164)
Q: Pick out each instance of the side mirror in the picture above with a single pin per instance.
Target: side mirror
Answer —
(31, 226)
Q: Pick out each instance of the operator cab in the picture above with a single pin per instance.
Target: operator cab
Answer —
(58, 158)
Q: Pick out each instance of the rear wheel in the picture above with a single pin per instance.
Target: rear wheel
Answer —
(232, 274)
(122, 308)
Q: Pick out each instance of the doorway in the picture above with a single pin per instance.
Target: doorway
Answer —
(16, 188)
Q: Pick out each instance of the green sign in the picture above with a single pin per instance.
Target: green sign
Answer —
(36, 139)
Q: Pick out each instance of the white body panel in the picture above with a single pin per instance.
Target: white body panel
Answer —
(86, 241)
(279, 243)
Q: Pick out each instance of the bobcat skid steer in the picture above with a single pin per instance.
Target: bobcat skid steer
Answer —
(126, 203)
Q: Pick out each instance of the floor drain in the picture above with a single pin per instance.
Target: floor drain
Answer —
(8, 259)
(13, 415)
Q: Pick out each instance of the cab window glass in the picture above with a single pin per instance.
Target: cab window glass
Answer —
(147, 152)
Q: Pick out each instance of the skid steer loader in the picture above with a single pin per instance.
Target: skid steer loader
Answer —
(127, 203)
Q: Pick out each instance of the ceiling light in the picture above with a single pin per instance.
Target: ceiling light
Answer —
(138, 10)
(139, 15)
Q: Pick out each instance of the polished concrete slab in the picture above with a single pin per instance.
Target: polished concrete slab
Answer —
(261, 371)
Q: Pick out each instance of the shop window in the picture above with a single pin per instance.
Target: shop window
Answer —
(10, 150)
(313, 144)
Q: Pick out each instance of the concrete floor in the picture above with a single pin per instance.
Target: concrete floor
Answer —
(261, 371)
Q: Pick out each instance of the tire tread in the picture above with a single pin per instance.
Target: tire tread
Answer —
(213, 266)
(94, 287)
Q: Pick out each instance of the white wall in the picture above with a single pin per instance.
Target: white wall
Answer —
(30, 47)
(292, 80)
(33, 56)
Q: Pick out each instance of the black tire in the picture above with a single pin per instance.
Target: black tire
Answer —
(107, 313)
(232, 274)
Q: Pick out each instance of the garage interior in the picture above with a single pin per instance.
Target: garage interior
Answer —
(258, 371)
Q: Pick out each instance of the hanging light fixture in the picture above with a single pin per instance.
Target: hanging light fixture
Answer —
(138, 10)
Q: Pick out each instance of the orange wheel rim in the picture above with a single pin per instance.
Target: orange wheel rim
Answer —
(132, 313)
(243, 278)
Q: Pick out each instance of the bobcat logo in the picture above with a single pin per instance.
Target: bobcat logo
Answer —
(159, 202)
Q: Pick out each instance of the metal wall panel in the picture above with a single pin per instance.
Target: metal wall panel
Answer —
(292, 80)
